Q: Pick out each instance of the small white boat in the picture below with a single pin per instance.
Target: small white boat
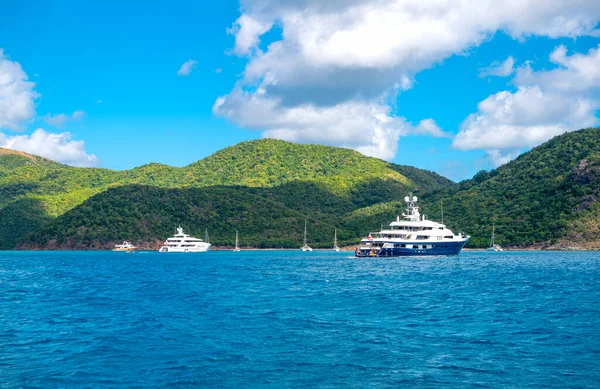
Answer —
(335, 246)
(183, 243)
(305, 247)
(237, 247)
(125, 246)
(493, 245)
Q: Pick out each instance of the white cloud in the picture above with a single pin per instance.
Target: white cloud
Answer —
(17, 96)
(429, 127)
(546, 104)
(187, 67)
(369, 128)
(349, 57)
(499, 69)
(523, 119)
(577, 73)
(61, 119)
(500, 157)
(247, 31)
(57, 147)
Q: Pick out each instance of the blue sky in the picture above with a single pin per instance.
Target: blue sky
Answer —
(107, 74)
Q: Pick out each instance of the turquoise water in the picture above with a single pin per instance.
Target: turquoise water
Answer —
(281, 319)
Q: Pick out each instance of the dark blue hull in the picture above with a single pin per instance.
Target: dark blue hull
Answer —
(412, 250)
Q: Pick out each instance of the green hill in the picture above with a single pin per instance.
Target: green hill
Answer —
(34, 190)
(548, 196)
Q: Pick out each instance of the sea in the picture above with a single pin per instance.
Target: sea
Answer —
(288, 319)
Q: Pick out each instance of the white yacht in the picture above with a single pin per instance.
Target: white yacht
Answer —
(493, 245)
(125, 246)
(237, 246)
(305, 247)
(183, 243)
(414, 236)
(335, 246)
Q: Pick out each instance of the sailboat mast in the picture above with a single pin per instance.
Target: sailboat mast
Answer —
(236, 239)
(442, 207)
(335, 238)
(305, 232)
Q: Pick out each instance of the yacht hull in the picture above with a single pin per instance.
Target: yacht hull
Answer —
(445, 249)
(201, 249)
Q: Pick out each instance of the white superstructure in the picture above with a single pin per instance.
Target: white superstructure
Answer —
(126, 246)
(183, 243)
(413, 236)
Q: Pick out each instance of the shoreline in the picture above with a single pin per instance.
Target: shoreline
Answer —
(342, 249)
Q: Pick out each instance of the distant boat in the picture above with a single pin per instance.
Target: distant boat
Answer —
(183, 243)
(335, 246)
(237, 247)
(126, 246)
(305, 247)
(493, 245)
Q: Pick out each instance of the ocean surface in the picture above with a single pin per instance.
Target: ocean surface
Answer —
(287, 319)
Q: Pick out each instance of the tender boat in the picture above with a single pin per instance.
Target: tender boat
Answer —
(125, 246)
(415, 236)
(183, 243)
(305, 247)
(493, 245)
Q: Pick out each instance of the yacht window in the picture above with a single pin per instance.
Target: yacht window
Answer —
(448, 237)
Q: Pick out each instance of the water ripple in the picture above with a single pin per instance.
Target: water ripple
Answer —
(291, 319)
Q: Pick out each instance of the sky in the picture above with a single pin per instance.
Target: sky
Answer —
(449, 86)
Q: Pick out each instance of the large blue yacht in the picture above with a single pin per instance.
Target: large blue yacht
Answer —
(414, 236)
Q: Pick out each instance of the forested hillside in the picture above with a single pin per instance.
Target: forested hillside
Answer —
(547, 196)
(34, 190)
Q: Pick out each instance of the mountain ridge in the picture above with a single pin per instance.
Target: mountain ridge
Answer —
(546, 198)
(53, 189)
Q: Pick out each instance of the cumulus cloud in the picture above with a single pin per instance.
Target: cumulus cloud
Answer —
(61, 119)
(546, 104)
(57, 147)
(17, 95)
(247, 31)
(370, 128)
(522, 119)
(187, 67)
(499, 69)
(350, 57)
(576, 73)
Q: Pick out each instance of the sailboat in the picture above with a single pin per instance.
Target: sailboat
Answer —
(305, 247)
(237, 247)
(493, 245)
(335, 246)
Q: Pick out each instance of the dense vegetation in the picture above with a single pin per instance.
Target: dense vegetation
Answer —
(544, 196)
(266, 189)
(317, 180)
